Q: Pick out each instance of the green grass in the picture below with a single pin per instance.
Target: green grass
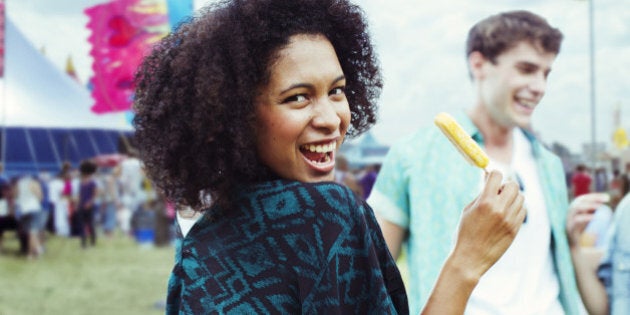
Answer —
(114, 277)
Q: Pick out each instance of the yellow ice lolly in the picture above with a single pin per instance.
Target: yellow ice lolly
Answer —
(461, 140)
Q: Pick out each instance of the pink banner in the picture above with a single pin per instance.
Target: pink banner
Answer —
(2, 13)
(122, 33)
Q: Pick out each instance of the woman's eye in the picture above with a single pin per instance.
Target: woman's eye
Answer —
(295, 98)
(338, 90)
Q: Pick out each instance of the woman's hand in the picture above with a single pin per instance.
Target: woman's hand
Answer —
(580, 213)
(488, 226)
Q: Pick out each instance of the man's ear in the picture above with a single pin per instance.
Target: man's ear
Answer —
(476, 62)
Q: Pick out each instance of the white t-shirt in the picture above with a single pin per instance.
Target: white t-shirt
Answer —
(26, 199)
(187, 221)
(523, 281)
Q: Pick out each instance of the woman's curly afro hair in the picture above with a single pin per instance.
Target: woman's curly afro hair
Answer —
(195, 91)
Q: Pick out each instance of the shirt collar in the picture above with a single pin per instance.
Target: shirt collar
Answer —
(474, 132)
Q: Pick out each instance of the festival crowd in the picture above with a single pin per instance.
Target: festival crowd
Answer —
(86, 202)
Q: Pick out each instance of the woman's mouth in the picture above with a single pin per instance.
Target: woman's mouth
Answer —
(320, 156)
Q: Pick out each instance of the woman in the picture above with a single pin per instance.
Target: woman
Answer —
(602, 274)
(246, 105)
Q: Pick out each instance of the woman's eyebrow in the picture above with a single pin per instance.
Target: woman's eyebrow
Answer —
(339, 78)
(308, 85)
(295, 86)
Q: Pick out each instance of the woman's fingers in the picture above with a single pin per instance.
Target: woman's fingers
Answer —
(509, 191)
(493, 184)
(581, 212)
(582, 208)
(516, 211)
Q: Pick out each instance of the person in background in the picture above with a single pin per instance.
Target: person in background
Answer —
(4, 180)
(131, 177)
(28, 202)
(143, 223)
(603, 275)
(44, 221)
(618, 185)
(86, 205)
(69, 197)
(110, 200)
(255, 97)
(344, 176)
(581, 181)
(59, 205)
(123, 212)
(7, 217)
(368, 179)
(424, 182)
(601, 179)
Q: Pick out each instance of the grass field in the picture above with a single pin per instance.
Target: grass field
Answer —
(114, 277)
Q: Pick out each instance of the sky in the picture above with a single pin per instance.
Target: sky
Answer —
(421, 49)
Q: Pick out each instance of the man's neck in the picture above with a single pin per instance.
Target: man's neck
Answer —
(498, 140)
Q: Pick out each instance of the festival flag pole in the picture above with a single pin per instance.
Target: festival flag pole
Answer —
(3, 138)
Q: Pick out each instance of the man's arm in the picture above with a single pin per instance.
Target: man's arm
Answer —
(394, 236)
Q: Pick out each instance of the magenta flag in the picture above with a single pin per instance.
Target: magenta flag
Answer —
(2, 13)
(122, 33)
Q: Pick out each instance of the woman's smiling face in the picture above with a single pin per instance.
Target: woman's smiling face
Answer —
(302, 113)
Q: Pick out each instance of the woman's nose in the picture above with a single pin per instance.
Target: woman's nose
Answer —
(326, 115)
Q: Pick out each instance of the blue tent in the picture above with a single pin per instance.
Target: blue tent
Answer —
(33, 150)
(45, 115)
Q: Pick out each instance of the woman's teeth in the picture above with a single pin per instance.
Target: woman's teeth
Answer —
(324, 159)
(320, 148)
(320, 153)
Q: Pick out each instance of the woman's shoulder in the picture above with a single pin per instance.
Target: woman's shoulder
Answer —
(283, 187)
(330, 193)
(285, 197)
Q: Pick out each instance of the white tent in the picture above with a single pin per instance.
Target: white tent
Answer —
(37, 94)
(45, 115)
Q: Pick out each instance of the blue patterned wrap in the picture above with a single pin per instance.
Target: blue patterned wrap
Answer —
(288, 248)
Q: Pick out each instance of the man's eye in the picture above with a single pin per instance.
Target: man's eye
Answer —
(295, 98)
(526, 69)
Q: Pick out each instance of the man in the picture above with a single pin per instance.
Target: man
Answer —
(424, 183)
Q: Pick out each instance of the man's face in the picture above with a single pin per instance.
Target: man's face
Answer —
(512, 86)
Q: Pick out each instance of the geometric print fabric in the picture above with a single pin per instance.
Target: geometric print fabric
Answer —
(287, 248)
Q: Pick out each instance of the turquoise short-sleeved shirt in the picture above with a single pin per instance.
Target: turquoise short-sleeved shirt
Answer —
(425, 183)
